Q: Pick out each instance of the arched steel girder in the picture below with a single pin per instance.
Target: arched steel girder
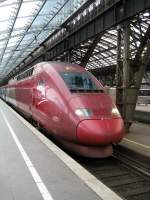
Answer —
(91, 19)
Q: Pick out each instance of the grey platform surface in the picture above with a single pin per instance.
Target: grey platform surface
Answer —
(16, 182)
(138, 139)
(143, 107)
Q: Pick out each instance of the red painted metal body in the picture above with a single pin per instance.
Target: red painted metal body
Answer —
(45, 97)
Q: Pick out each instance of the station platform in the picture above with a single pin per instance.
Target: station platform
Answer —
(143, 107)
(32, 167)
(137, 141)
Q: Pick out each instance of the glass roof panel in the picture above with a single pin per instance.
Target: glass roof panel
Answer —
(24, 24)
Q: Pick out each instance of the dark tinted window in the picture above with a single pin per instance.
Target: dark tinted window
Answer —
(145, 92)
(79, 81)
(41, 82)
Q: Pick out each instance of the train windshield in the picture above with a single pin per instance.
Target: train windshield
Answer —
(79, 82)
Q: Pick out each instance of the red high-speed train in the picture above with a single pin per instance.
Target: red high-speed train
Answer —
(70, 103)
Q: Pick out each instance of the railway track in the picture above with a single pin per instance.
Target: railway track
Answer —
(129, 178)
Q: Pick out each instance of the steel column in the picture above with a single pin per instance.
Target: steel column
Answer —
(119, 72)
(126, 91)
(130, 72)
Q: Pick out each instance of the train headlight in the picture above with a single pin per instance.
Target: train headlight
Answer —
(115, 113)
(83, 112)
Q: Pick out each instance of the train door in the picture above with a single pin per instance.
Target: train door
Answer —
(39, 110)
(36, 98)
(55, 108)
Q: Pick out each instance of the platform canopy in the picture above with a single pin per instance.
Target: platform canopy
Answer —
(25, 24)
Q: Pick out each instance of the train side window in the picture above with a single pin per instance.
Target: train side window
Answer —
(41, 87)
(41, 82)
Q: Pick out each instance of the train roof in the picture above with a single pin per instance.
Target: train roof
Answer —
(65, 66)
(47, 66)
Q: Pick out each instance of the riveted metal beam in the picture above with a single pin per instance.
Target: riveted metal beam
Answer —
(90, 50)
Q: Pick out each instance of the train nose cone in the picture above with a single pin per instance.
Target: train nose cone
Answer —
(100, 132)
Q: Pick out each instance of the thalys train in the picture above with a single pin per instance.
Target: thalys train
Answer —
(70, 103)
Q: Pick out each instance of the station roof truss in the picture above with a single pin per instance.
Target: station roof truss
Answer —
(42, 22)
(25, 24)
(105, 52)
(104, 55)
